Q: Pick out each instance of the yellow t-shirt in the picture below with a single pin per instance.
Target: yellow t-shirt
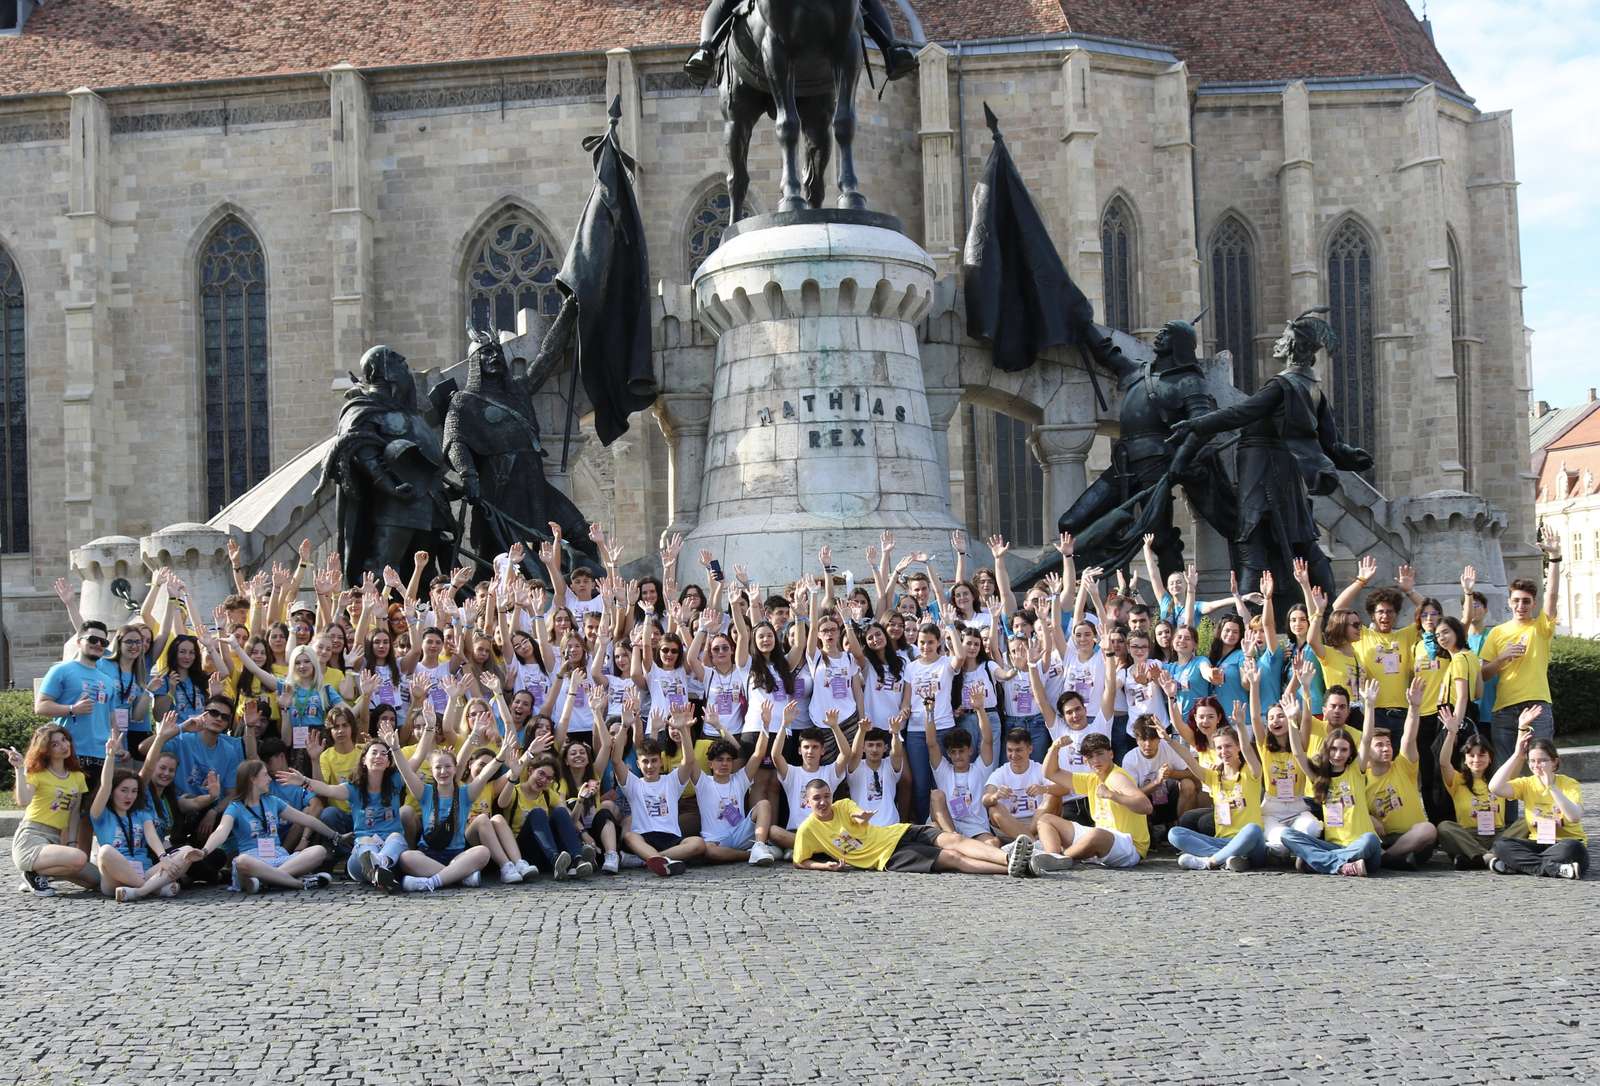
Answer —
(1393, 796)
(1319, 737)
(1279, 766)
(52, 795)
(1469, 802)
(1387, 657)
(1337, 666)
(1466, 664)
(1528, 677)
(867, 847)
(1344, 814)
(518, 804)
(1435, 673)
(1537, 801)
(1110, 815)
(1235, 802)
(337, 768)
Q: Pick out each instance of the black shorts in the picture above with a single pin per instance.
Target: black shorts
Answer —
(918, 851)
(661, 841)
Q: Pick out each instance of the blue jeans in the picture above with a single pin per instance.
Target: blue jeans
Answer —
(1504, 733)
(921, 774)
(1121, 741)
(336, 820)
(547, 834)
(1034, 726)
(1326, 859)
(1250, 842)
(969, 721)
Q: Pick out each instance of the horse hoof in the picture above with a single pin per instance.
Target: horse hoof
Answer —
(793, 203)
(852, 201)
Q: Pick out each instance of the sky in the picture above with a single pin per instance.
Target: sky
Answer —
(1540, 59)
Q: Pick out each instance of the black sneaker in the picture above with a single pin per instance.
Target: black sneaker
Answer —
(318, 881)
(369, 867)
(676, 867)
(37, 885)
(385, 879)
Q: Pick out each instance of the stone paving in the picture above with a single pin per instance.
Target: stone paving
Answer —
(738, 975)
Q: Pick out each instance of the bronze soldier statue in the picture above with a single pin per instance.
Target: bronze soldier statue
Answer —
(1134, 496)
(1289, 450)
(389, 465)
(899, 58)
(491, 436)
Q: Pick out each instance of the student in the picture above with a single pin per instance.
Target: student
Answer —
(1070, 727)
(337, 764)
(1393, 792)
(929, 677)
(1451, 674)
(877, 760)
(960, 778)
(537, 823)
(1282, 781)
(133, 860)
(1159, 773)
(1555, 845)
(1120, 836)
(443, 858)
(1349, 846)
(1480, 815)
(207, 756)
(251, 820)
(1185, 668)
(375, 794)
(1018, 707)
(732, 833)
(1384, 650)
(50, 787)
(794, 778)
(579, 784)
(1517, 653)
(656, 835)
(77, 694)
(1234, 783)
(846, 833)
(1015, 794)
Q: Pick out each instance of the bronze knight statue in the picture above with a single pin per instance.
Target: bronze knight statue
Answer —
(389, 466)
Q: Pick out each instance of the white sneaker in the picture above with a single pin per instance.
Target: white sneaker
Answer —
(1498, 866)
(509, 872)
(413, 884)
(762, 855)
(1041, 863)
(474, 879)
(1192, 863)
(611, 863)
(527, 870)
(1568, 871)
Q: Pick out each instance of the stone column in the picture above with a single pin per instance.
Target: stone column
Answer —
(943, 403)
(684, 418)
(97, 564)
(1078, 132)
(1173, 284)
(820, 429)
(350, 112)
(86, 407)
(1063, 452)
(939, 196)
(198, 553)
(1297, 188)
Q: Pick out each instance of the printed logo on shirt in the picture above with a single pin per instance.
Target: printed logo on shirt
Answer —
(845, 842)
(655, 806)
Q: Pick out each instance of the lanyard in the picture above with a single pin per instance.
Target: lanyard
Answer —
(126, 823)
(262, 815)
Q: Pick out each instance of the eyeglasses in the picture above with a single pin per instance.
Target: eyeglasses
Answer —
(102, 642)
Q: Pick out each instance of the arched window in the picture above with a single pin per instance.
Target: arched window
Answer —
(1462, 358)
(1233, 298)
(1350, 294)
(706, 225)
(1119, 253)
(1003, 476)
(512, 268)
(233, 330)
(13, 411)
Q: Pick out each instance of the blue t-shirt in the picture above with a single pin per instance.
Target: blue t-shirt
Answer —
(1168, 610)
(253, 822)
(125, 833)
(1270, 665)
(447, 805)
(162, 813)
(307, 710)
(370, 815)
(1318, 687)
(188, 697)
(1192, 686)
(123, 689)
(1490, 686)
(195, 759)
(294, 795)
(64, 684)
(1232, 688)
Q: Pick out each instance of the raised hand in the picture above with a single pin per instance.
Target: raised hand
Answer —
(1469, 580)
(958, 541)
(1268, 584)
(1367, 568)
(1405, 579)
(1065, 544)
(1550, 541)
(998, 546)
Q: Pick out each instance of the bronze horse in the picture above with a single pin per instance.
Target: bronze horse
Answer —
(797, 61)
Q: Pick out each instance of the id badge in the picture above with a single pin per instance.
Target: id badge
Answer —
(267, 849)
(580, 697)
(724, 702)
(302, 732)
(1283, 788)
(839, 685)
(1544, 830)
(1390, 662)
(438, 699)
(1334, 814)
(676, 699)
(119, 720)
(1485, 823)
(1025, 703)
(1225, 813)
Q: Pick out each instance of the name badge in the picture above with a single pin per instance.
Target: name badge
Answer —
(267, 848)
(724, 702)
(1485, 823)
(1225, 813)
(1544, 830)
(119, 719)
(302, 732)
(1024, 701)
(1283, 788)
(1333, 814)
(838, 685)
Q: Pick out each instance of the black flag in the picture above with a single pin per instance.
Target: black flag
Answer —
(607, 272)
(1019, 295)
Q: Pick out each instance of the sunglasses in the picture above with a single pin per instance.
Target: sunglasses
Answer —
(102, 642)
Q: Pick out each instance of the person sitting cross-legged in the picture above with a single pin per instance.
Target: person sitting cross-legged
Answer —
(1120, 835)
(1555, 844)
(655, 834)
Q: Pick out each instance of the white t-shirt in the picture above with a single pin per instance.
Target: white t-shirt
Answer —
(756, 698)
(531, 677)
(1068, 758)
(1053, 670)
(726, 694)
(873, 790)
(981, 682)
(654, 804)
(1087, 677)
(1140, 698)
(794, 787)
(1019, 804)
(831, 686)
(582, 719)
(935, 677)
(882, 695)
(721, 805)
(579, 608)
(1016, 696)
(616, 690)
(436, 694)
(669, 690)
(963, 794)
(1143, 770)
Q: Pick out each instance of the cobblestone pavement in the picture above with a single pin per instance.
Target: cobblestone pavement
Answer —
(739, 975)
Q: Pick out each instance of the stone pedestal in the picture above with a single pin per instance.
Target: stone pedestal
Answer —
(100, 562)
(819, 429)
(198, 554)
(1451, 529)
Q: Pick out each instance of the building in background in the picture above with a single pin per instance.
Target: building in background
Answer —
(1565, 448)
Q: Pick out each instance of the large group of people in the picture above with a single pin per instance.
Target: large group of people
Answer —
(414, 733)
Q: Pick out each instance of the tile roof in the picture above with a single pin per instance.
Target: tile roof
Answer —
(111, 43)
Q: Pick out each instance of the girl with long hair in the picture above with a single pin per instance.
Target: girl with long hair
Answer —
(252, 818)
(1235, 786)
(442, 857)
(133, 859)
(1555, 844)
(50, 788)
(1349, 845)
(1480, 815)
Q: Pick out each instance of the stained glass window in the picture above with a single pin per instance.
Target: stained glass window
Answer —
(706, 225)
(1119, 255)
(1354, 357)
(1233, 298)
(1462, 360)
(233, 323)
(512, 269)
(13, 411)
(1019, 484)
